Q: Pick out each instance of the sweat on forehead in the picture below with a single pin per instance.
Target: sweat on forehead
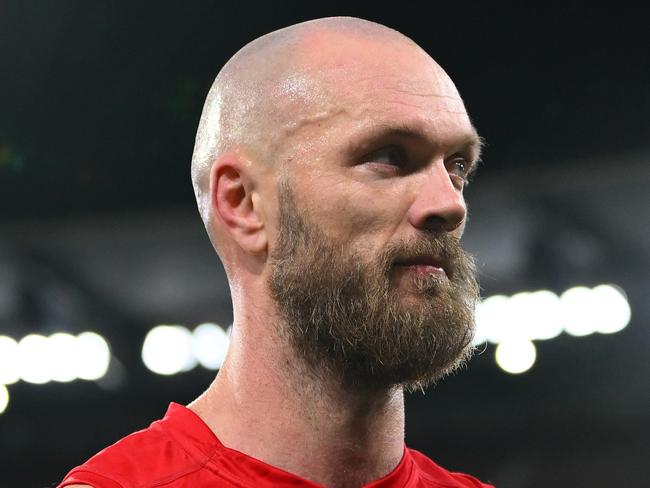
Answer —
(276, 84)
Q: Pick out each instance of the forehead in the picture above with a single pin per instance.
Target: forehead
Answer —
(361, 82)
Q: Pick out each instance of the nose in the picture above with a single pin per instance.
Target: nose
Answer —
(439, 206)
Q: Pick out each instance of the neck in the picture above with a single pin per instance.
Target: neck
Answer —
(265, 403)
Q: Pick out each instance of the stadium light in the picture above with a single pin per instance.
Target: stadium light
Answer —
(542, 315)
(615, 312)
(167, 350)
(516, 356)
(63, 351)
(94, 356)
(578, 313)
(209, 345)
(34, 359)
(9, 372)
(513, 322)
(61, 357)
(4, 398)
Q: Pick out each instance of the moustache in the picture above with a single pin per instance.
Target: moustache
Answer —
(441, 250)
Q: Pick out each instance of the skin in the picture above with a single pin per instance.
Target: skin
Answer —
(336, 149)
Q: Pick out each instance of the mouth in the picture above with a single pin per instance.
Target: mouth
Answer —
(428, 265)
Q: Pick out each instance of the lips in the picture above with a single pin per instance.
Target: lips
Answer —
(426, 264)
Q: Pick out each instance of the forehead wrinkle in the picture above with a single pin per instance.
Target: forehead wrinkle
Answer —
(446, 110)
(415, 130)
(445, 89)
(319, 120)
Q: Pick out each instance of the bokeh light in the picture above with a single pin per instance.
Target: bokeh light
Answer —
(543, 315)
(9, 371)
(60, 357)
(167, 350)
(578, 313)
(63, 357)
(489, 315)
(94, 356)
(210, 345)
(516, 356)
(4, 398)
(34, 358)
(614, 309)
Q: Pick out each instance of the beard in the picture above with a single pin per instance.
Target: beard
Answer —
(344, 319)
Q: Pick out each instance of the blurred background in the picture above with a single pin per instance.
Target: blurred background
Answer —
(113, 304)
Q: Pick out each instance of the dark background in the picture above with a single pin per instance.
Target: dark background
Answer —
(99, 104)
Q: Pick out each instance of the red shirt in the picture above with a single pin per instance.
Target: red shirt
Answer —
(180, 451)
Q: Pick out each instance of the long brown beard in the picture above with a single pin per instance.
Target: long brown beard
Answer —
(344, 319)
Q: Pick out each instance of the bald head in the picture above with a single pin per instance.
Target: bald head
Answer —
(321, 146)
(261, 95)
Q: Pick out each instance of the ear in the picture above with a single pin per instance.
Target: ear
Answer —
(236, 204)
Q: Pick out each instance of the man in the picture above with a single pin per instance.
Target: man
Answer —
(329, 169)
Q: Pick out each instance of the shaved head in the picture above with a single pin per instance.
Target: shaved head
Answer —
(329, 168)
(256, 101)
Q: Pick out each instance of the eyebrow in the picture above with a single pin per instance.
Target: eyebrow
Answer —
(467, 142)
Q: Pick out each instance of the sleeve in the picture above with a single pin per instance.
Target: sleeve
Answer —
(470, 481)
(84, 477)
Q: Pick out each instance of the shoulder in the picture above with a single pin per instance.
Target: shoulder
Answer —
(138, 459)
(435, 473)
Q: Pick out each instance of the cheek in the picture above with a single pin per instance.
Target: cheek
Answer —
(350, 210)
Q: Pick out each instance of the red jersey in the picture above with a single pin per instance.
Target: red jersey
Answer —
(180, 451)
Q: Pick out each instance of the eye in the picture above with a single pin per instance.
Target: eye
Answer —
(389, 156)
(458, 167)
